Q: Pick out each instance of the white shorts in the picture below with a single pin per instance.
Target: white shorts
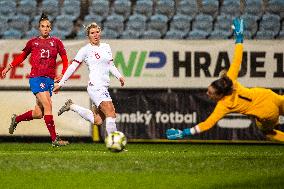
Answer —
(98, 95)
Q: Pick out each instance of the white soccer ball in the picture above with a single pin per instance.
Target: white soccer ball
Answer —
(116, 141)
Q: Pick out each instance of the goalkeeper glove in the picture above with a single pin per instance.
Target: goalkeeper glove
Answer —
(175, 134)
(238, 27)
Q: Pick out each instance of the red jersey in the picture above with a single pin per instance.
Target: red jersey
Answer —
(43, 55)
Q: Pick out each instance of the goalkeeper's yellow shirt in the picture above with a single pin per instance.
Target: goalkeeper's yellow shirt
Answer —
(261, 103)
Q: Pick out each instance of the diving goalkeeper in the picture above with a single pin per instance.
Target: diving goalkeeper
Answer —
(262, 104)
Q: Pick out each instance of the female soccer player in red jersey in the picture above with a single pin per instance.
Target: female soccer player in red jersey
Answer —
(262, 104)
(43, 50)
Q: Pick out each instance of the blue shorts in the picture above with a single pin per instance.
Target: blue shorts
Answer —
(41, 84)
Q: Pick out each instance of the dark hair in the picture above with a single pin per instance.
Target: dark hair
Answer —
(223, 86)
(43, 17)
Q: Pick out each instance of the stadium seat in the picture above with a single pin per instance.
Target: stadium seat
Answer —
(27, 7)
(130, 34)
(122, 7)
(254, 8)
(4, 24)
(210, 7)
(203, 22)
(152, 34)
(219, 34)
(188, 8)
(92, 18)
(81, 34)
(109, 34)
(197, 34)
(20, 23)
(276, 7)
(270, 22)
(115, 22)
(63, 25)
(7, 9)
(281, 35)
(265, 35)
(231, 7)
(165, 7)
(31, 33)
(159, 22)
(144, 7)
(175, 34)
(51, 8)
(223, 22)
(136, 22)
(58, 33)
(12, 34)
(181, 22)
(222, 27)
(34, 23)
(71, 8)
(251, 25)
(99, 7)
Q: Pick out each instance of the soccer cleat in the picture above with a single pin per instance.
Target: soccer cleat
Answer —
(13, 125)
(65, 107)
(238, 27)
(58, 142)
(174, 134)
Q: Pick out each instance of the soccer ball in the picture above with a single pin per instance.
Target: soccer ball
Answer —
(116, 141)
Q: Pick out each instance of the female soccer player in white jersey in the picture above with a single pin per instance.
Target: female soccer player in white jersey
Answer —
(98, 58)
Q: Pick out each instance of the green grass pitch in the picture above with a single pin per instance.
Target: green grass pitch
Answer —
(86, 165)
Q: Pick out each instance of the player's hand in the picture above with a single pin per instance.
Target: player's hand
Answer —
(58, 78)
(56, 88)
(122, 81)
(238, 27)
(174, 134)
(4, 72)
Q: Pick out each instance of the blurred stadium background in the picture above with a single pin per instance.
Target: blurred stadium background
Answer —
(144, 19)
(168, 50)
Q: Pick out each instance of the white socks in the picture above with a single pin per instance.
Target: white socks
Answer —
(83, 112)
(110, 125)
(89, 116)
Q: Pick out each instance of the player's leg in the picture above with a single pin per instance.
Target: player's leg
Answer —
(44, 100)
(101, 98)
(85, 113)
(108, 110)
(99, 116)
(275, 135)
(37, 113)
(268, 128)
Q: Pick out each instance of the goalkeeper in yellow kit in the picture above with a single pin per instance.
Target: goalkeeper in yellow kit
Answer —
(231, 97)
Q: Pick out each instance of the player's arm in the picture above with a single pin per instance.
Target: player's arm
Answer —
(219, 112)
(114, 71)
(63, 55)
(233, 71)
(18, 60)
(70, 70)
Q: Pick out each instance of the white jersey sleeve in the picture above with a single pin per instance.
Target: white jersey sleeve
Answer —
(109, 51)
(80, 56)
(113, 70)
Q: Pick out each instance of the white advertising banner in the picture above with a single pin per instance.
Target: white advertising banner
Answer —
(167, 63)
(68, 124)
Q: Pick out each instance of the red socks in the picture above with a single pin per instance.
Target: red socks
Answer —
(47, 118)
(25, 117)
(50, 126)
